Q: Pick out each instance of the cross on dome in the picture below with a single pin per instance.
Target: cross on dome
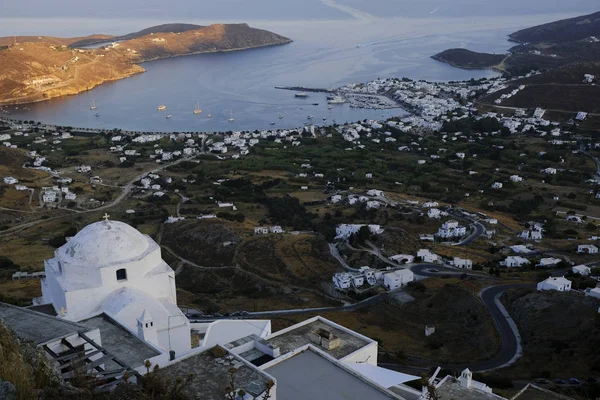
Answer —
(106, 216)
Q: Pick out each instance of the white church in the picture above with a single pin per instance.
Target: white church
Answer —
(111, 268)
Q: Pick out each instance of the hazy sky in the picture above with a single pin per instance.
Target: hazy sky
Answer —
(80, 17)
(284, 9)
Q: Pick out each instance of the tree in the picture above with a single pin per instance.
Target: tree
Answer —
(430, 390)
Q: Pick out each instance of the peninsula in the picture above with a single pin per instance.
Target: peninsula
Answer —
(39, 68)
(543, 48)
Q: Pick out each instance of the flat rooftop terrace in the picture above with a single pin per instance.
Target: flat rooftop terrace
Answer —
(118, 341)
(309, 375)
(211, 376)
(298, 337)
(35, 326)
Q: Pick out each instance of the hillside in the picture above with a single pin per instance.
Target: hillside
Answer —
(37, 70)
(544, 47)
(10, 40)
(560, 332)
(565, 30)
(164, 28)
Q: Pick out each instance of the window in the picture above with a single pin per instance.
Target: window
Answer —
(121, 274)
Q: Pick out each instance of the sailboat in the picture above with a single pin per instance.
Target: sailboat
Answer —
(168, 116)
(280, 116)
(231, 119)
(197, 110)
(208, 116)
(93, 106)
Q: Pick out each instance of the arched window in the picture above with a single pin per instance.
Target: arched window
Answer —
(122, 274)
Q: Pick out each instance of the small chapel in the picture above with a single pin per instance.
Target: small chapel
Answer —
(113, 269)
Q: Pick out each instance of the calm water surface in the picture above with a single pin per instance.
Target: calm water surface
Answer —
(335, 42)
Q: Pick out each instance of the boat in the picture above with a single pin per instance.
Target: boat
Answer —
(280, 116)
(168, 116)
(309, 117)
(97, 115)
(329, 107)
(208, 116)
(162, 108)
(337, 100)
(231, 119)
(315, 104)
(272, 123)
(197, 110)
(301, 95)
(93, 106)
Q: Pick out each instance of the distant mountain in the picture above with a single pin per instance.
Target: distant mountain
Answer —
(165, 28)
(566, 30)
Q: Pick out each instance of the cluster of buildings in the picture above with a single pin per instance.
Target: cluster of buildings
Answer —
(109, 309)
(366, 276)
(109, 302)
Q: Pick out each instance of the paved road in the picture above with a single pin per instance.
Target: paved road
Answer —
(479, 230)
(510, 340)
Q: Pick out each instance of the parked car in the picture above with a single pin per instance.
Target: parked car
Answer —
(542, 381)
(434, 270)
(574, 381)
(560, 381)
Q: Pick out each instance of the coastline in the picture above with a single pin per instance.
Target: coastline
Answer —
(90, 86)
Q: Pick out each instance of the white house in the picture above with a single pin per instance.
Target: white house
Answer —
(369, 175)
(560, 284)
(549, 262)
(516, 178)
(582, 270)
(535, 234)
(462, 263)
(342, 280)
(9, 180)
(595, 292)
(515, 261)
(397, 279)
(427, 256)
(434, 213)
(70, 196)
(539, 113)
(587, 249)
(111, 268)
(275, 229)
(261, 230)
(451, 229)
(549, 171)
(403, 258)
(497, 185)
(49, 196)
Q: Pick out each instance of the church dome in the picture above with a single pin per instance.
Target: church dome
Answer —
(103, 243)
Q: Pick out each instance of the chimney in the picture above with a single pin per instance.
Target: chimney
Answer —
(146, 329)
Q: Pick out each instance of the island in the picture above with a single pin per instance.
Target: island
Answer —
(39, 68)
